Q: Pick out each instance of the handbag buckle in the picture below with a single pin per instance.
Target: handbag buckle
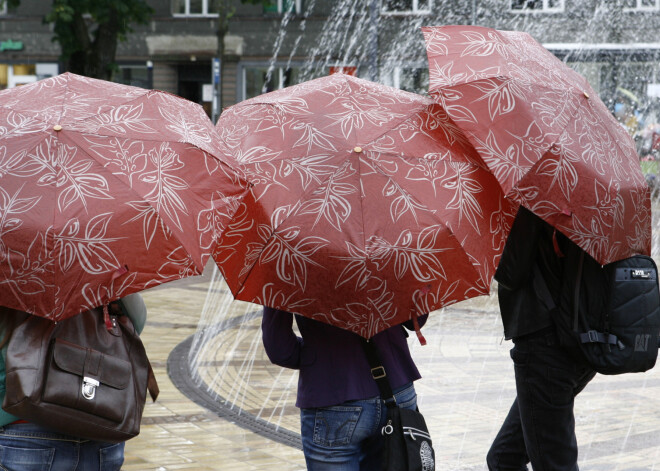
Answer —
(89, 387)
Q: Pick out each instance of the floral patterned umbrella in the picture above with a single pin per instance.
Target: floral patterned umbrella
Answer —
(544, 133)
(368, 206)
(105, 190)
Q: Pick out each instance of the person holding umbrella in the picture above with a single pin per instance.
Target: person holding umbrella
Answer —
(341, 412)
(555, 148)
(24, 443)
(540, 426)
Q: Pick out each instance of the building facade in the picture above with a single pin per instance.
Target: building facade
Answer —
(613, 43)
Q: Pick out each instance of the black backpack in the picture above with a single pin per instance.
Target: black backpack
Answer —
(609, 314)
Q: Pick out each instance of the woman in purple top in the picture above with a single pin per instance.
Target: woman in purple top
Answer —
(341, 411)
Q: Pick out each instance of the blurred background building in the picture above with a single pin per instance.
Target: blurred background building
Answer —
(614, 43)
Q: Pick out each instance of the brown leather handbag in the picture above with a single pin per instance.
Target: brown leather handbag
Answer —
(86, 376)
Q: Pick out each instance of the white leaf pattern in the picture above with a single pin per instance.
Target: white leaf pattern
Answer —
(122, 156)
(466, 191)
(120, 120)
(167, 186)
(328, 200)
(31, 270)
(88, 247)
(291, 255)
(362, 196)
(481, 45)
(418, 254)
(103, 192)
(75, 181)
(544, 134)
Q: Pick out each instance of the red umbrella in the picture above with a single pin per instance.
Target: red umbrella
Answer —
(105, 190)
(544, 133)
(368, 206)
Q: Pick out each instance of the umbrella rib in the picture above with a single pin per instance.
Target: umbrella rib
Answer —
(574, 116)
(568, 84)
(111, 110)
(570, 88)
(64, 97)
(139, 198)
(394, 124)
(430, 210)
(364, 232)
(135, 99)
(272, 235)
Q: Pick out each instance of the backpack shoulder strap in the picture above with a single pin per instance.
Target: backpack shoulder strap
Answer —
(576, 293)
(542, 289)
(588, 335)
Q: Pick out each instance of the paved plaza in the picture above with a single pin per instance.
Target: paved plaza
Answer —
(230, 409)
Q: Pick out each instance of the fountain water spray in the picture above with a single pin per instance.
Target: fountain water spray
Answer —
(468, 383)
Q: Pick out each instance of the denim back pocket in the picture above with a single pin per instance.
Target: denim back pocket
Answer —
(112, 457)
(26, 459)
(334, 426)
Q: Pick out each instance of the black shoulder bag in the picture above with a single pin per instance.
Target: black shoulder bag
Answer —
(407, 443)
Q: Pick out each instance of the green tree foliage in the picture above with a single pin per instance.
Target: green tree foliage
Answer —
(226, 10)
(88, 32)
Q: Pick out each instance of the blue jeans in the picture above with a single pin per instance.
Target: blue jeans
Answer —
(347, 437)
(540, 426)
(29, 447)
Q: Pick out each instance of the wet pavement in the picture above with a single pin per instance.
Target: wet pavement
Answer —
(235, 411)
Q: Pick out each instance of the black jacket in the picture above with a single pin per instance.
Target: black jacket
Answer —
(529, 260)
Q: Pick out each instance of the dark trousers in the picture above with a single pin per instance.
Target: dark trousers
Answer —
(540, 426)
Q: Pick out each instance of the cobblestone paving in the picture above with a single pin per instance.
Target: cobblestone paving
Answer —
(466, 390)
(177, 433)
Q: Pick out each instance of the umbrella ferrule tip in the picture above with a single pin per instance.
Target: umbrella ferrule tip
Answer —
(357, 149)
(57, 127)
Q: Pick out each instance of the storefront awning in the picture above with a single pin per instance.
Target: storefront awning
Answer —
(605, 51)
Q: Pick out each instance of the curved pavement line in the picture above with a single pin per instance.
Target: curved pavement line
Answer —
(180, 373)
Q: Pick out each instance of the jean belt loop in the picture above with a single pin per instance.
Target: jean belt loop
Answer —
(390, 402)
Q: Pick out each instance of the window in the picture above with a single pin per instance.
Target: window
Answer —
(256, 80)
(414, 80)
(284, 6)
(526, 6)
(3, 8)
(406, 6)
(14, 75)
(641, 5)
(194, 7)
(135, 75)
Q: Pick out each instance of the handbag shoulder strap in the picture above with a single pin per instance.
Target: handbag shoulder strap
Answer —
(378, 372)
(152, 384)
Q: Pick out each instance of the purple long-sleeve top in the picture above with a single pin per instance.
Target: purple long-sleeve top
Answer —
(332, 363)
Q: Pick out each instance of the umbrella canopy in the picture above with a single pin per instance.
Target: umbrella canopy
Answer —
(368, 206)
(105, 190)
(544, 133)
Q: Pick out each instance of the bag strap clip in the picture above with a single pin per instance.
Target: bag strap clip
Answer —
(378, 372)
